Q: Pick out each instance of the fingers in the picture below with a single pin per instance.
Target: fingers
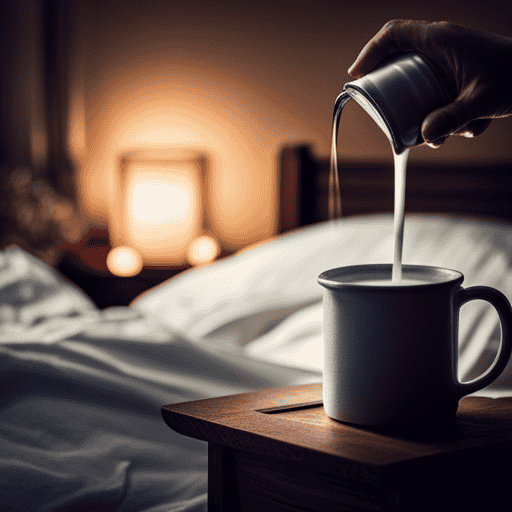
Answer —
(388, 41)
(446, 120)
(381, 46)
(435, 126)
(471, 61)
(437, 143)
(474, 128)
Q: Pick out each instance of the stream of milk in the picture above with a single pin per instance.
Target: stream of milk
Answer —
(335, 206)
(398, 215)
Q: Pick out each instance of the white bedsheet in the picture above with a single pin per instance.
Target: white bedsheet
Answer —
(81, 392)
(277, 281)
(81, 389)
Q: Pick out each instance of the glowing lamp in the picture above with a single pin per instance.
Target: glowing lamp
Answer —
(162, 208)
(124, 261)
(203, 249)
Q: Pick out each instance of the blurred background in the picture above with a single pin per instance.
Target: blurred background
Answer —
(90, 81)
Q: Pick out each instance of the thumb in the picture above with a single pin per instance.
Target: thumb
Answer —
(474, 128)
(445, 121)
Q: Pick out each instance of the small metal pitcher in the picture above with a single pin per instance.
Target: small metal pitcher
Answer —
(398, 95)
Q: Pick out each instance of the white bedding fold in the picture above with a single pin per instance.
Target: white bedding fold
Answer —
(81, 389)
(480, 249)
(81, 392)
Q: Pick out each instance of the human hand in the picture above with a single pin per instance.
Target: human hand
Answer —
(475, 64)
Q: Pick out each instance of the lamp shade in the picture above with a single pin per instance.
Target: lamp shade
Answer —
(161, 203)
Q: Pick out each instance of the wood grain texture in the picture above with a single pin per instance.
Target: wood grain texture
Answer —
(280, 453)
(236, 421)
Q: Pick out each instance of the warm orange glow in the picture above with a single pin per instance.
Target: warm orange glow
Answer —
(136, 100)
(124, 261)
(161, 209)
(203, 249)
(156, 202)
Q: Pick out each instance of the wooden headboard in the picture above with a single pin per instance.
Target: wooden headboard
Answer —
(368, 187)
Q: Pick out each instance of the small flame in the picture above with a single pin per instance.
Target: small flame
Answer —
(124, 261)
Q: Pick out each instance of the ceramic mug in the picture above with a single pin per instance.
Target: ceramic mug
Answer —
(391, 350)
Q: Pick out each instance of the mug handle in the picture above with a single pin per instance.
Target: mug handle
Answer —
(504, 310)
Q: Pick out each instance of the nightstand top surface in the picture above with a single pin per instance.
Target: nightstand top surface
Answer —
(290, 423)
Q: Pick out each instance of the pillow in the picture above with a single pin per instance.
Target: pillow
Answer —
(271, 281)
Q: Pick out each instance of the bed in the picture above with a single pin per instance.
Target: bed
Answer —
(82, 388)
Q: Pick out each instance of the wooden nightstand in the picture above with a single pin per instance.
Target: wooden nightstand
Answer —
(276, 450)
(84, 263)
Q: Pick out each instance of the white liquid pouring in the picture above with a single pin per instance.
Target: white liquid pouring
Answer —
(400, 161)
(398, 215)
